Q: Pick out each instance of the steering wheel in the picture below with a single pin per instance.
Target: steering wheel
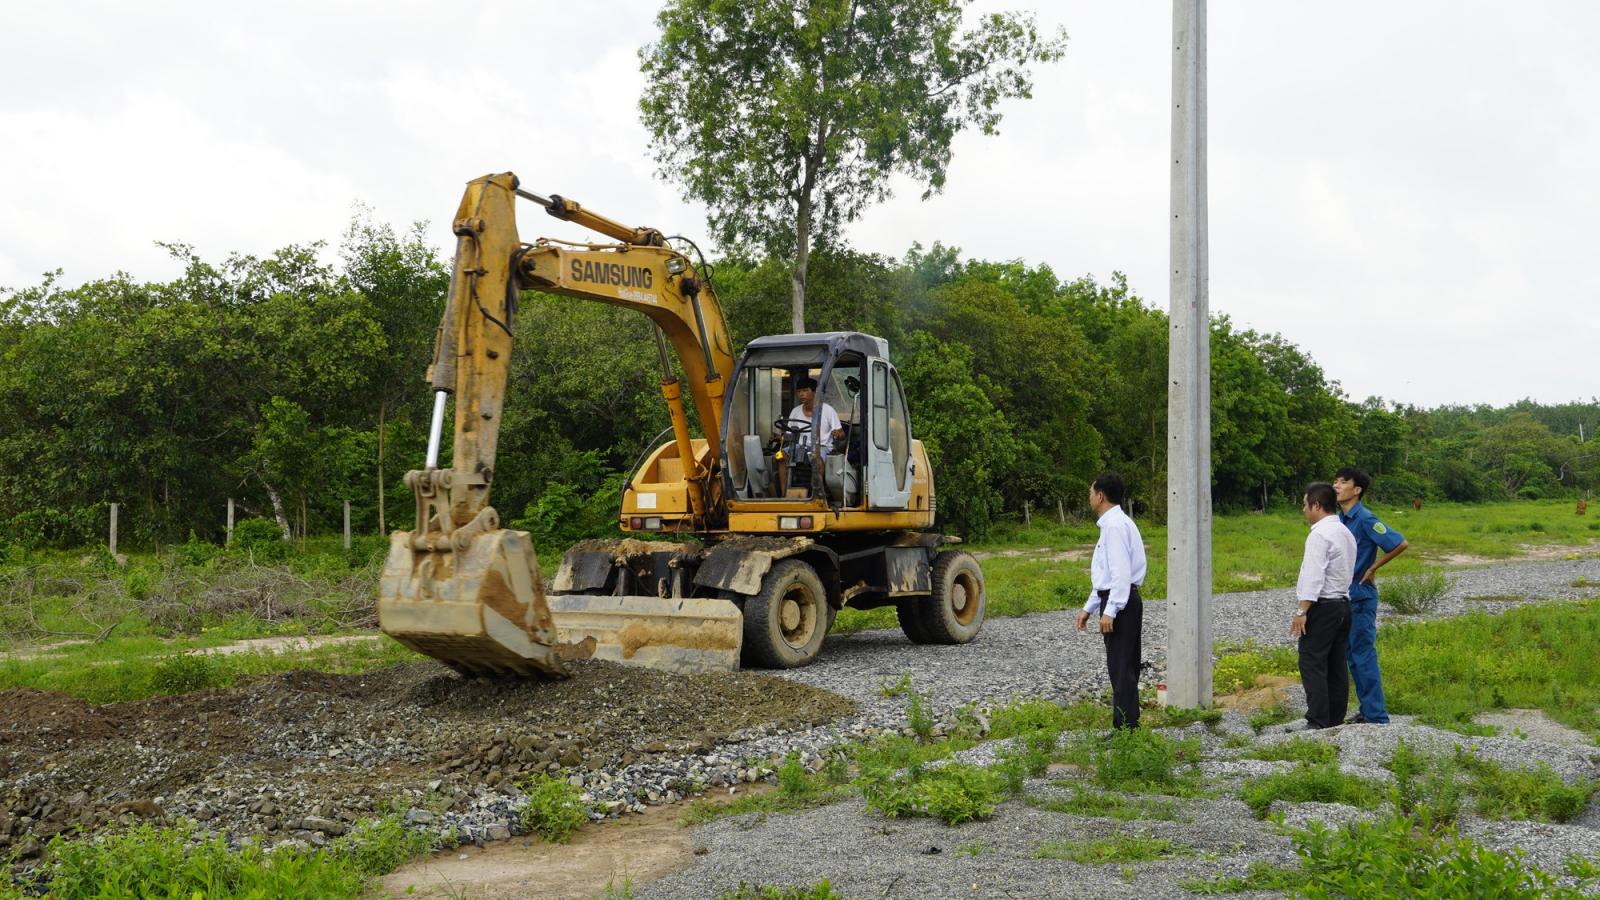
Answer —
(792, 426)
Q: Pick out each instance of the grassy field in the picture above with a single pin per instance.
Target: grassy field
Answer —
(1039, 568)
(141, 620)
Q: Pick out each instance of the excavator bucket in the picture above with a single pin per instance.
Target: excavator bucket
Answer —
(682, 634)
(480, 610)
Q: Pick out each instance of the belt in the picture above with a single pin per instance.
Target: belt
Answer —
(1333, 599)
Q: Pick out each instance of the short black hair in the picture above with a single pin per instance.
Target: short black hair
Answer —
(1110, 484)
(1320, 494)
(806, 382)
(1355, 476)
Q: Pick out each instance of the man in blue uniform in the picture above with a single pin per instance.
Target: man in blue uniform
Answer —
(1372, 537)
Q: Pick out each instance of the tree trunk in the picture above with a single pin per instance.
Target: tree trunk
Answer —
(802, 253)
(802, 234)
(278, 513)
(382, 522)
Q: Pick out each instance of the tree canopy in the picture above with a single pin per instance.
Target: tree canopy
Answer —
(291, 385)
(787, 119)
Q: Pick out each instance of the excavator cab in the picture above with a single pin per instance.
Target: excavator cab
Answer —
(769, 436)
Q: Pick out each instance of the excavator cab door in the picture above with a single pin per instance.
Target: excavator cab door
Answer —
(888, 442)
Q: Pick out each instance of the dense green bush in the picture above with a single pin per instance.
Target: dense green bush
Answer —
(260, 540)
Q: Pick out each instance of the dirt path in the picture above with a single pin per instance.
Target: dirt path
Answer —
(614, 855)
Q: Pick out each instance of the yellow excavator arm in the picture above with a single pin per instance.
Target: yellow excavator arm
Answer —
(458, 587)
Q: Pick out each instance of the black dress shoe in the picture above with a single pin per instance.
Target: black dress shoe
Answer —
(1357, 719)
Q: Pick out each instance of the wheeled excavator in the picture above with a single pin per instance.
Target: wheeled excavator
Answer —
(740, 544)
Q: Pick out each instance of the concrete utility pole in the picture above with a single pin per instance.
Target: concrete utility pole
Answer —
(1189, 374)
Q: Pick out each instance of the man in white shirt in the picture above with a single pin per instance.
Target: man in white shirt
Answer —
(1116, 572)
(1322, 622)
(828, 425)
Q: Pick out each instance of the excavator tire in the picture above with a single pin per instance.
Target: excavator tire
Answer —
(785, 623)
(953, 614)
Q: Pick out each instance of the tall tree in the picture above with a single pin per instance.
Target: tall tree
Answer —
(787, 117)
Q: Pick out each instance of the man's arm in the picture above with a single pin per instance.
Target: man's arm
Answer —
(1384, 560)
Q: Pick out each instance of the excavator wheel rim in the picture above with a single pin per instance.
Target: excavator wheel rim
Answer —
(798, 597)
(964, 598)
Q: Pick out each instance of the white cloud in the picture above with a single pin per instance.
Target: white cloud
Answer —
(1422, 172)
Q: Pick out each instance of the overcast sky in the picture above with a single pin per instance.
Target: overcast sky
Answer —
(1407, 190)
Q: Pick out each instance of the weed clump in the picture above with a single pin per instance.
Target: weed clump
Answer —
(822, 890)
(1119, 848)
(952, 793)
(1306, 751)
(1417, 594)
(1310, 784)
(146, 861)
(554, 809)
(1095, 804)
(1142, 761)
(1511, 793)
(1238, 667)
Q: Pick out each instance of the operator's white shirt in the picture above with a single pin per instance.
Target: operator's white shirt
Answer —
(1329, 563)
(1118, 564)
(828, 424)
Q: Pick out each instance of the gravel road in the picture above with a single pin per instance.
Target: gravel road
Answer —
(865, 855)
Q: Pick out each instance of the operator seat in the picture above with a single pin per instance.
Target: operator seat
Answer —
(757, 469)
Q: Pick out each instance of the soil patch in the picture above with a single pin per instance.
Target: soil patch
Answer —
(614, 855)
(1267, 693)
(274, 754)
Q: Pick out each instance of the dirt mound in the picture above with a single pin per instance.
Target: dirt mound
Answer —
(282, 750)
(47, 718)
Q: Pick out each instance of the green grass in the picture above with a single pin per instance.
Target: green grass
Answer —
(822, 890)
(1142, 761)
(1418, 592)
(798, 789)
(554, 809)
(1540, 656)
(953, 793)
(1099, 805)
(137, 668)
(180, 862)
(1178, 717)
(1391, 859)
(1502, 792)
(1251, 552)
(1306, 751)
(1118, 848)
(1239, 664)
(1311, 784)
(1267, 717)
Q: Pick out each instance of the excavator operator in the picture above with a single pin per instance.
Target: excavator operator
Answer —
(805, 390)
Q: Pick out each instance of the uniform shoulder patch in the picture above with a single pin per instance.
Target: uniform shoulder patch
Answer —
(1380, 528)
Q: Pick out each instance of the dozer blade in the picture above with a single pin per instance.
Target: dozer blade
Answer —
(689, 634)
(480, 610)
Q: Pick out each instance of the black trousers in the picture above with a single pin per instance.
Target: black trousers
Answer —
(1322, 663)
(1124, 646)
